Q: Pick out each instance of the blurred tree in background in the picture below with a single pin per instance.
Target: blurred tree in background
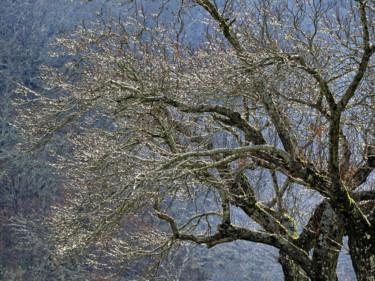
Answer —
(26, 185)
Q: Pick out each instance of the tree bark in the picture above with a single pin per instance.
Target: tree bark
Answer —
(292, 271)
(362, 253)
(328, 244)
(361, 234)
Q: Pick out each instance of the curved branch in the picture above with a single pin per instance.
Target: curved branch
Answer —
(361, 174)
(364, 195)
(234, 118)
(323, 84)
(368, 52)
(223, 23)
(229, 233)
(281, 123)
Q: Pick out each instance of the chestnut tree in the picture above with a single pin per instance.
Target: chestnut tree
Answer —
(179, 112)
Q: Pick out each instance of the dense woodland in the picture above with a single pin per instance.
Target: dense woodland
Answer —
(187, 140)
(27, 186)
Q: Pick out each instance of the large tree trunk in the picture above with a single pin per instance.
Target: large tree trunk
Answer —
(328, 244)
(362, 253)
(361, 233)
(323, 234)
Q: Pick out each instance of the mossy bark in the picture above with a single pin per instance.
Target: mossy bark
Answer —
(328, 244)
(362, 253)
(292, 271)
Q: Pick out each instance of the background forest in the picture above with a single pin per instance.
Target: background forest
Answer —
(28, 187)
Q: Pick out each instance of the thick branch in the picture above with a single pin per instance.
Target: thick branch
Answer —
(310, 232)
(244, 198)
(234, 118)
(281, 123)
(361, 174)
(364, 195)
(223, 23)
(368, 52)
(229, 233)
(300, 256)
(323, 84)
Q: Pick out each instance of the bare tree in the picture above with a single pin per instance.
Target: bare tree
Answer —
(275, 99)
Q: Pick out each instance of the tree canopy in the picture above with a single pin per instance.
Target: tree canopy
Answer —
(264, 111)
